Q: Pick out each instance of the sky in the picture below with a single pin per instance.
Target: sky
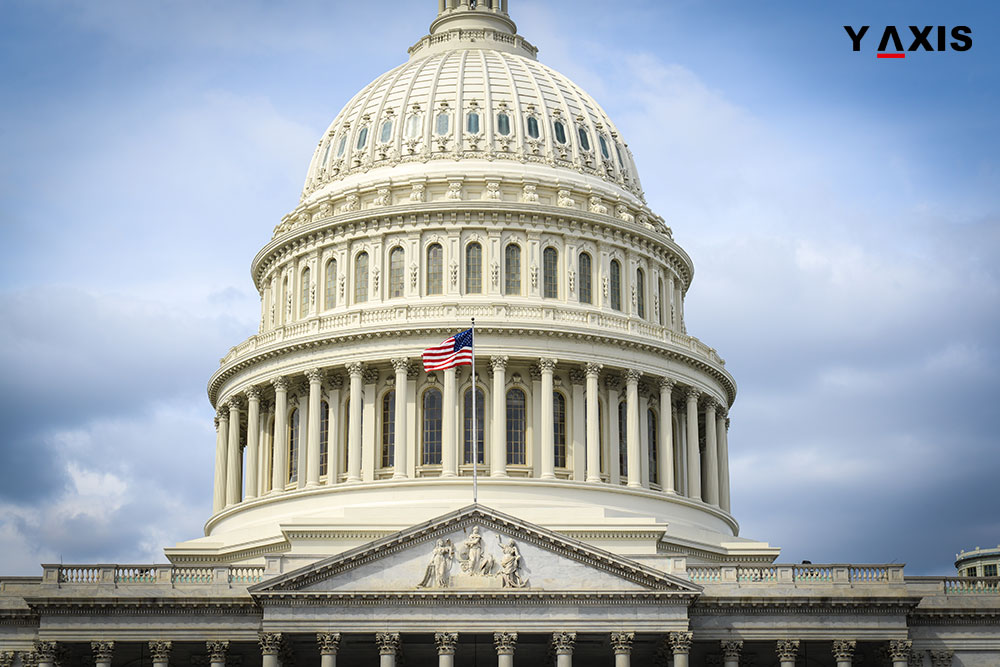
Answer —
(842, 212)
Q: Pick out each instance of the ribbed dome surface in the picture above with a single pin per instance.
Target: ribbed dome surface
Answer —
(472, 104)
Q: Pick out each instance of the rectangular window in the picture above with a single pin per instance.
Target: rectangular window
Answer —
(971, 572)
(990, 570)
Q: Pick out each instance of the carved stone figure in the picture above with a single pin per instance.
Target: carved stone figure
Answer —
(596, 206)
(528, 195)
(438, 573)
(454, 191)
(476, 563)
(565, 200)
(510, 566)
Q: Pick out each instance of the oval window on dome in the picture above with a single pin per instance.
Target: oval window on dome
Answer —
(342, 146)
(472, 123)
(362, 138)
(584, 138)
(326, 153)
(413, 124)
(604, 147)
(560, 131)
(503, 124)
(533, 127)
(443, 123)
(386, 134)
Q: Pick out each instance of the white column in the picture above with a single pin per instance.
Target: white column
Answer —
(731, 650)
(233, 467)
(401, 366)
(722, 433)
(371, 450)
(611, 382)
(498, 459)
(505, 643)
(547, 366)
(221, 442)
(680, 442)
(788, 651)
(711, 455)
(563, 643)
(899, 652)
(665, 455)
(449, 443)
(593, 424)
(159, 653)
(680, 644)
(693, 455)
(102, 653)
(266, 448)
(388, 646)
(217, 653)
(578, 429)
(279, 469)
(843, 651)
(315, 377)
(354, 424)
(334, 443)
(253, 441)
(329, 644)
(632, 428)
(270, 646)
(446, 642)
(621, 643)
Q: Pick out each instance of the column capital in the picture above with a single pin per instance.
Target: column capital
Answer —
(369, 376)
(535, 372)
(612, 381)
(45, 651)
(621, 642)
(159, 651)
(29, 659)
(843, 649)
(546, 364)
(731, 649)
(499, 362)
(680, 642)
(563, 642)
(6, 658)
(355, 369)
(280, 383)
(329, 642)
(222, 414)
(387, 642)
(577, 376)
(401, 364)
(217, 651)
(270, 642)
(632, 376)
(234, 403)
(899, 649)
(253, 393)
(941, 658)
(102, 650)
(788, 649)
(710, 403)
(593, 369)
(314, 375)
(335, 381)
(505, 642)
(666, 384)
(446, 642)
(692, 395)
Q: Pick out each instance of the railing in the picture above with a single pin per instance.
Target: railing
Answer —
(246, 575)
(796, 575)
(971, 585)
(135, 574)
(131, 575)
(79, 574)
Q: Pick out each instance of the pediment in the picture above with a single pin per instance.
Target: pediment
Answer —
(475, 549)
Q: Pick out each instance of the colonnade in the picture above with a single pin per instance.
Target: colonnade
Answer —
(673, 438)
(677, 646)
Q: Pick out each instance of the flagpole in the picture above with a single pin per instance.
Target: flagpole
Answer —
(475, 423)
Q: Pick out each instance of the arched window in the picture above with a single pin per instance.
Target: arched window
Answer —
(659, 298)
(330, 285)
(443, 123)
(304, 289)
(512, 270)
(474, 269)
(326, 153)
(397, 281)
(435, 269)
(517, 421)
(550, 277)
(616, 285)
(503, 124)
(386, 134)
(285, 297)
(604, 147)
(623, 440)
(413, 126)
(467, 427)
(362, 138)
(559, 428)
(324, 437)
(584, 138)
(342, 146)
(361, 278)
(560, 131)
(389, 429)
(640, 292)
(654, 473)
(432, 427)
(586, 279)
(533, 127)
(293, 447)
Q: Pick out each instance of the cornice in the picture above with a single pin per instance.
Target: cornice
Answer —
(142, 606)
(477, 598)
(708, 605)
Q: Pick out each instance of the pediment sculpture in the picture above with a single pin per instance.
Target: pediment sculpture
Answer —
(474, 563)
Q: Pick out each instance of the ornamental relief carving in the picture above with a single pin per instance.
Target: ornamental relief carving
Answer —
(476, 567)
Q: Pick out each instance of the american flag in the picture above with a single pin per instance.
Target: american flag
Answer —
(456, 351)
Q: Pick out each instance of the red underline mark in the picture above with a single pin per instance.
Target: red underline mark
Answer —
(890, 55)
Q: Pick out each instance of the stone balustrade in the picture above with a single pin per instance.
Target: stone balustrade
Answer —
(796, 575)
(139, 575)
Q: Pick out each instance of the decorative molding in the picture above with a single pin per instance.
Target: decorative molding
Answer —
(159, 651)
(387, 643)
(315, 376)
(329, 642)
(787, 649)
(680, 642)
(217, 651)
(731, 649)
(270, 642)
(621, 642)
(941, 658)
(843, 649)
(45, 651)
(505, 642)
(102, 650)
(899, 649)
(446, 642)
(563, 642)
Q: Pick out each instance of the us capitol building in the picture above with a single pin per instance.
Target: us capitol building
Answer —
(474, 182)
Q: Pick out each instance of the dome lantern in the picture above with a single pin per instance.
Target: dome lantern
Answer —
(472, 24)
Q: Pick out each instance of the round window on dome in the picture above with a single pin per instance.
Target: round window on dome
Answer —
(560, 131)
(443, 123)
(386, 134)
(342, 146)
(503, 124)
(533, 127)
(413, 125)
(584, 138)
(362, 138)
(604, 147)
(472, 123)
